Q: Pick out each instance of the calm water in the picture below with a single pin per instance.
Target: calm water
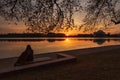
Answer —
(14, 47)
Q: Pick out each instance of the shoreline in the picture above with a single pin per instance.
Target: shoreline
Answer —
(10, 61)
(100, 61)
(85, 51)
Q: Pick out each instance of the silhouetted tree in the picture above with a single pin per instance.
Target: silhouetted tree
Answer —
(51, 15)
(41, 15)
(105, 12)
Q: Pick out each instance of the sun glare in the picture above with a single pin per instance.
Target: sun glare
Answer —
(67, 40)
(67, 34)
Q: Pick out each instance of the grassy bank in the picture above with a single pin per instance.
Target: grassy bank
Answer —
(98, 66)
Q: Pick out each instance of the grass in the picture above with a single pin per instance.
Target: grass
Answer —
(98, 66)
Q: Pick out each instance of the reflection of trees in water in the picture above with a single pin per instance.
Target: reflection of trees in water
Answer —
(118, 40)
(99, 41)
(31, 40)
(53, 40)
(85, 39)
(22, 40)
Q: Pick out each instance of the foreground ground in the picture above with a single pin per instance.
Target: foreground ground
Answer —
(103, 65)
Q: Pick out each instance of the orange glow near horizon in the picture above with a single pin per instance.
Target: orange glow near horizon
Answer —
(70, 33)
(67, 40)
(67, 34)
(20, 28)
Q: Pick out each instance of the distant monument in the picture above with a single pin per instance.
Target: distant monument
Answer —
(99, 33)
(25, 57)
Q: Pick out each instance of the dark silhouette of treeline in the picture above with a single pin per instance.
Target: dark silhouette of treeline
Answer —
(15, 35)
(99, 33)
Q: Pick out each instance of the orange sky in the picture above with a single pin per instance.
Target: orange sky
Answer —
(20, 27)
(78, 17)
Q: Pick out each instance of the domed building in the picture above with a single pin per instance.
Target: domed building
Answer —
(99, 33)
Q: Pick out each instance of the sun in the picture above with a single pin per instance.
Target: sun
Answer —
(67, 34)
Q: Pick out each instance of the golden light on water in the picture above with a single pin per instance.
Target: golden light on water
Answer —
(67, 40)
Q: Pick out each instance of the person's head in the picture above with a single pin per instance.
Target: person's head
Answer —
(28, 47)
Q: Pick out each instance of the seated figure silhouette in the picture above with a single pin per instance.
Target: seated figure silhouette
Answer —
(25, 57)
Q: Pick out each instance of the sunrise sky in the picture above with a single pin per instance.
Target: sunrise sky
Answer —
(5, 27)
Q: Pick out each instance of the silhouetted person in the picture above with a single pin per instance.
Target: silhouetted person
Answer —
(26, 56)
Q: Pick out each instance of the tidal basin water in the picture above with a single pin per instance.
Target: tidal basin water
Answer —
(13, 47)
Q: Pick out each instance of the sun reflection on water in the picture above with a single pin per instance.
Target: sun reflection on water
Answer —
(67, 40)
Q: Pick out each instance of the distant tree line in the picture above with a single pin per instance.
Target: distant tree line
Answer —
(14, 35)
(99, 33)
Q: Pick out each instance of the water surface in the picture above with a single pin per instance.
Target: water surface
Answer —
(14, 47)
